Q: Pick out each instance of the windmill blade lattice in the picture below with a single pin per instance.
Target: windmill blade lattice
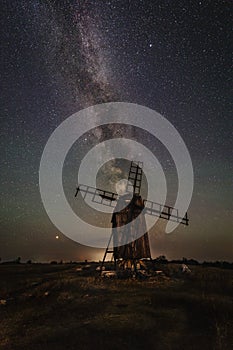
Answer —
(97, 195)
(109, 199)
(135, 177)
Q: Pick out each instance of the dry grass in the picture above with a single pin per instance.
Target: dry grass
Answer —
(56, 307)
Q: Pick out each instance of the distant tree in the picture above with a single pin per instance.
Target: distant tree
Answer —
(29, 262)
(53, 262)
(18, 260)
(161, 259)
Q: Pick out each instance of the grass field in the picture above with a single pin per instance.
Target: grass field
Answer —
(57, 307)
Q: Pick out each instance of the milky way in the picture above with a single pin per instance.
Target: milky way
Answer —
(81, 56)
(61, 56)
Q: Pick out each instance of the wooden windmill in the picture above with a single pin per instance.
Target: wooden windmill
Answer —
(123, 220)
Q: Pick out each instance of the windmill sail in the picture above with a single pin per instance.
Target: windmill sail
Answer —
(97, 195)
(109, 199)
(135, 177)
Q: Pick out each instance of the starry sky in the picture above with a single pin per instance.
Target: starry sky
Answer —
(58, 57)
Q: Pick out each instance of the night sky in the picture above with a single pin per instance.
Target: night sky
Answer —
(58, 57)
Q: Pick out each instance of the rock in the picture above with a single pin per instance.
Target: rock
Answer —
(79, 269)
(109, 274)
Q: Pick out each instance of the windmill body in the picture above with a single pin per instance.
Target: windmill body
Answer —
(139, 247)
